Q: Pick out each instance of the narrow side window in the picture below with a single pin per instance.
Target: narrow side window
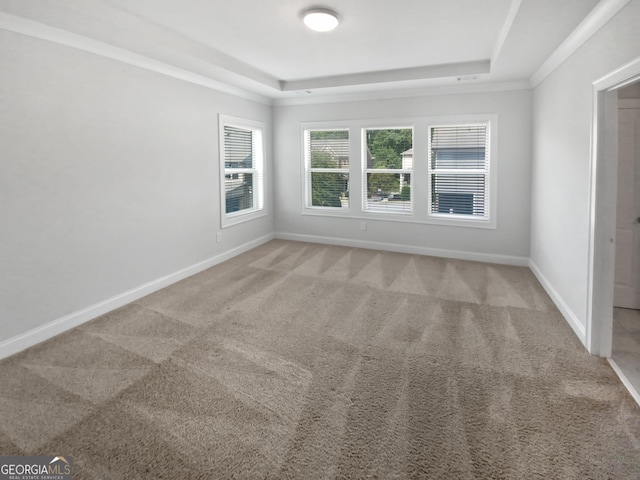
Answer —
(242, 170)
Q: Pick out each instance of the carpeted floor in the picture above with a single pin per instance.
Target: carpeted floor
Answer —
(309, 361)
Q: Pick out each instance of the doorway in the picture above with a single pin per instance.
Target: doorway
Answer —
(626, 292)
(612, 273)
(625, 348)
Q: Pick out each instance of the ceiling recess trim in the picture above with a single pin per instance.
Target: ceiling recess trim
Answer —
(597, 18)
(271, 91)
(457, 89)
(386, 76)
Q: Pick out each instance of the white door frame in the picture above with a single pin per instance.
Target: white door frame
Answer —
(603, 197)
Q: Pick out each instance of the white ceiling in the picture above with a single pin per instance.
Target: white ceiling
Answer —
(263, 47)
(373, 34)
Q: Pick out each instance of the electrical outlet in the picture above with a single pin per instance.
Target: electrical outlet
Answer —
(219, 237)
(363, 225)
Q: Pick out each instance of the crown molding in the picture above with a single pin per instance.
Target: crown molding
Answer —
(597, 18)
(59, 36)
(312, 99)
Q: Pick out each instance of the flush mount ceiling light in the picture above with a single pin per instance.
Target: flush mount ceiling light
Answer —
(320, 19)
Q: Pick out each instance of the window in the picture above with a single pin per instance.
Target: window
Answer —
(459, 171)
(327, 168)
(388, 165)
(438, 170)
(242, 155)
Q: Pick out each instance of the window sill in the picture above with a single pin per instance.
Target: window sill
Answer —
(400, 217)
(229, 220)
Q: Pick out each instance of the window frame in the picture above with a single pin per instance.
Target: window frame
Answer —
(258, 209)
(490, 172)
(309, 170)
(394, 171)
(419, 194)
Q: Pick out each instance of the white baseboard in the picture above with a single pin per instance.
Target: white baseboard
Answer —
(396, 247)
(40, 334)
(32, 337)
(571, 318)
(625, 380)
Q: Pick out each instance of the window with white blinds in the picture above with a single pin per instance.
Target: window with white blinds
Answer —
(436, 170)
(388, 168)
(459, 160)
(242, 156)
(327, 168)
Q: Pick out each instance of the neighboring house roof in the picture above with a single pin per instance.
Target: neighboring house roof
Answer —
(335, 146)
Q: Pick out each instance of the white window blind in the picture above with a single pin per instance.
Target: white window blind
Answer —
(388, 168)
(459, 171)
(242, 154)
(327, 168)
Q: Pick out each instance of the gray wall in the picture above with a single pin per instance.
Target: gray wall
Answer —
(509, 239)
(109, 175)
(109, 179)
(563, 105)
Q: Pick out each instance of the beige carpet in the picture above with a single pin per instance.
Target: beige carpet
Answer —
(309, 361)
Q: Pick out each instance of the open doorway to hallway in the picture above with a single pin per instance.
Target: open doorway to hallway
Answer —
(603, 222)
(626, 297)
